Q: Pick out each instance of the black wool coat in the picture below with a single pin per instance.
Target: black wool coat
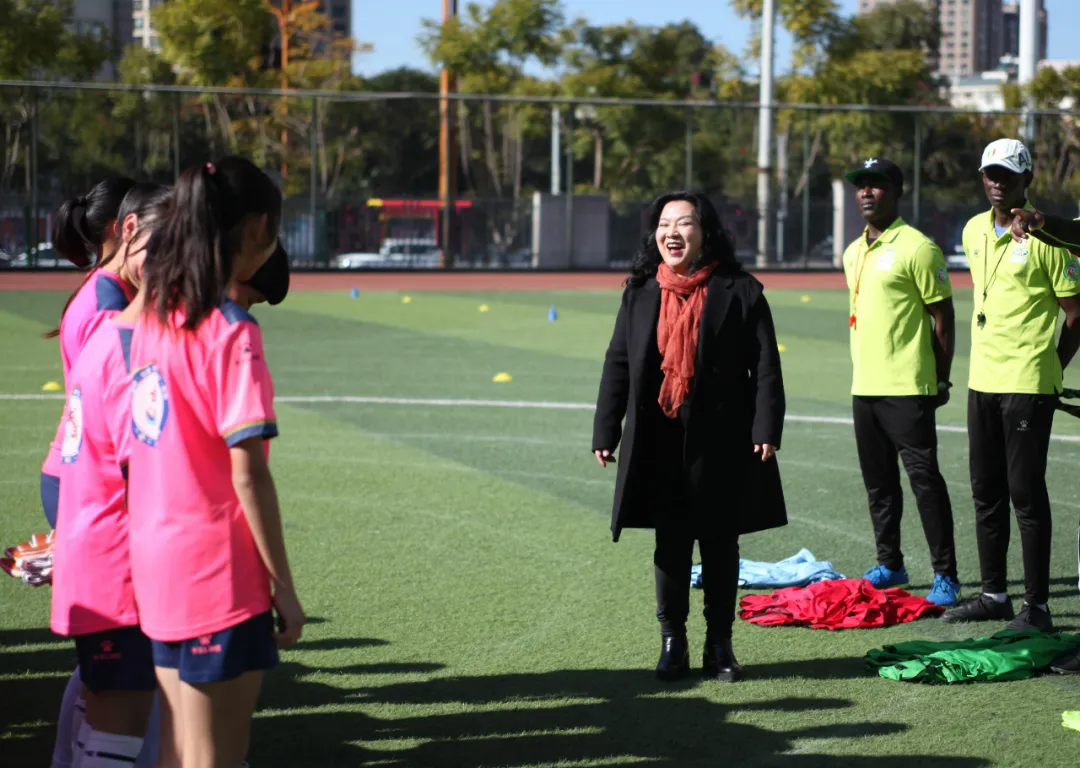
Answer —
(736, 400)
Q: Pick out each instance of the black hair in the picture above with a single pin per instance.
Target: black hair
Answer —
(191, 255)
(147, 201)
(80, 225)
(81, 222)
(716, 247)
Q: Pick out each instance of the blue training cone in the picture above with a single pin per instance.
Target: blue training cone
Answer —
(552, 314)
(355, 292)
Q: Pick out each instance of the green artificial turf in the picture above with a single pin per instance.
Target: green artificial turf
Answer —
(467, 605)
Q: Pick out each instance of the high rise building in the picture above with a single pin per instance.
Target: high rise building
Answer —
(972, 34)
(340, 13)
(1011, 30)
(143, 29)
(101, 18)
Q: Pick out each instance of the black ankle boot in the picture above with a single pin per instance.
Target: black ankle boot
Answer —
(674, 658)
(719, 662)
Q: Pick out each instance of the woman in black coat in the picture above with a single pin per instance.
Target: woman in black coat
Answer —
(694, 369)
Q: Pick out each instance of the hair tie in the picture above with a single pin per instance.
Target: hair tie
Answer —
(211, 169)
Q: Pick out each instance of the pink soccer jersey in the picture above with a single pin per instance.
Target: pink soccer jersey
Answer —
(101, 296)
(92, 589)
(195, 394)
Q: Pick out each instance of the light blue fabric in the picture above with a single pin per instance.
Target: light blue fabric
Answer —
(1002, 230)
(798, 570)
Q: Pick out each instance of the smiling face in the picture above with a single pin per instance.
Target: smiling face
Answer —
(679, 236)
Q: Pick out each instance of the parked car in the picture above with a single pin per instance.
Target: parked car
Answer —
(394, 252)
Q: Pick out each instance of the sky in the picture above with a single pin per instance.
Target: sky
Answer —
(392, 26)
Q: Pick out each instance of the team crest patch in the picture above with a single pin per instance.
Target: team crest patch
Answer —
(942, 275)
(73, 428)
(1072, 270)
(149, 405)
(1019, 254)
(886, 259)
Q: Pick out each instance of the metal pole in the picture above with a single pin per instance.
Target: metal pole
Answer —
(314, 183)
(782, 202)
(806, 192)
(32, 239)
(916, 191)
(765, 127)
(570, 186)
(446, 149)
(1029, 59)
(176, 137)
(689, 149)
(556, 151)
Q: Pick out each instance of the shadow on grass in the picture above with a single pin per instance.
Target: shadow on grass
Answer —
(613, 717)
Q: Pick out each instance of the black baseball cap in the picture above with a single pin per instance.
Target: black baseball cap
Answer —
(272, 278)
(878, 166)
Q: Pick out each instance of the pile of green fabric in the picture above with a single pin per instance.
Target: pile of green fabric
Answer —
(1071, 720)
(1004, 656)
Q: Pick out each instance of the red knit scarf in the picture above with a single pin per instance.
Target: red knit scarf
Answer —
(682, 299)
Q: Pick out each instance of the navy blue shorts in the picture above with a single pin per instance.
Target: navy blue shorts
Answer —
(116, 660)
(50, 497)
(246, 647)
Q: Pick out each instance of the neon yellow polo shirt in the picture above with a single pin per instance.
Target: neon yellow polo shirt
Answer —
(1014, 352)
(889, 284)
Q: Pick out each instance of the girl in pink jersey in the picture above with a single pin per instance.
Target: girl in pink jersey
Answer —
(84, 231)
(89, 603)
(208, 554)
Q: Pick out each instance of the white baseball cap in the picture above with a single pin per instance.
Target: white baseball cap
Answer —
(1009, 154)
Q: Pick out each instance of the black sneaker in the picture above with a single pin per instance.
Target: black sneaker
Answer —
(1067, 663)
(719, 663)
(979, 608)
(674, 658)
(1031, 617)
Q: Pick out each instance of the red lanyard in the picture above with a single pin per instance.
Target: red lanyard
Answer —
(858, 281)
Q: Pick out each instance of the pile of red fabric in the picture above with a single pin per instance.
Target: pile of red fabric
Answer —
(839, 604)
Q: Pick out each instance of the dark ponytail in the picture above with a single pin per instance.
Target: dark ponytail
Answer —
(191, 255)
(81, 222)
(79, 228)
(146, 200)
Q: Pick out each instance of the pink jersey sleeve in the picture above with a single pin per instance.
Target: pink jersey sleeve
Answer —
(118, 416)
(242, 392)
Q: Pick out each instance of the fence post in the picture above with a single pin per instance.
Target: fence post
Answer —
(176, 137)
(689, 148)
(314, 201)
(806, 190)
(569, 185)
(32, 234)
(916, 194)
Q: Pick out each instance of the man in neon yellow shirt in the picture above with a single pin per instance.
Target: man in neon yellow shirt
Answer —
(1015, 380)
(902, 337)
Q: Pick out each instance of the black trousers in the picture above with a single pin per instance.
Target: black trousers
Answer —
(904, 427)
(1009, 439)
(720, 576)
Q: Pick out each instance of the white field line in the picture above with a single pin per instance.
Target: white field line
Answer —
(528, 404)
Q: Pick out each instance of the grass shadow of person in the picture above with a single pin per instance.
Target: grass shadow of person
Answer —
(620, 717)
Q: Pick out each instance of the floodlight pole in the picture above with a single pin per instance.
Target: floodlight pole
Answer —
(765, 131)
(447, 166)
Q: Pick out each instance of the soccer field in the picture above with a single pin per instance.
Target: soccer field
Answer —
(467, 606)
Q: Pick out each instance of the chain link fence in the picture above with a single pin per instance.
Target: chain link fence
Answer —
(541, 183)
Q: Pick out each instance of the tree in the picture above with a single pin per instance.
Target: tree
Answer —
(641, 150)
(810, 22)
(488, 49)
(37, 43)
